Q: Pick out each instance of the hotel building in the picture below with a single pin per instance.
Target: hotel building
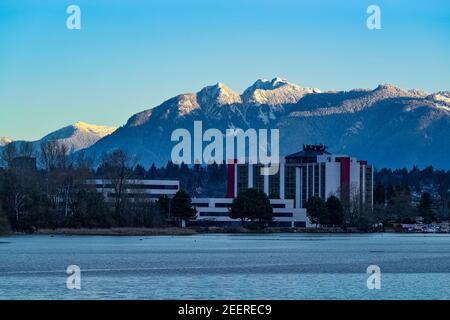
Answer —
(311, 172)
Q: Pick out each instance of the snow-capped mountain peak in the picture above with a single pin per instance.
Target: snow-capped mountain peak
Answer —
(94, 129)
(218, 94)
(264, 84)
(75, 137)
(441, 96)
(78, 131)
(387, 86)
(4, 141)
(275, 92)
(389, 90)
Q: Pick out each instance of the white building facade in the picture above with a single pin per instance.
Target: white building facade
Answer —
(133, 190)
(215, 212)
(305, 174)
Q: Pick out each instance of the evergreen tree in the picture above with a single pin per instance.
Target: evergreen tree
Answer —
(164, 206)
(379, 194)
(390, 194)
(181, 207)
(153, 172)
(400, 206)
(91, 211)
(184, 170)
(316, 210)
(252, 205)
(335, 211)
(139, 172)
(426, 207)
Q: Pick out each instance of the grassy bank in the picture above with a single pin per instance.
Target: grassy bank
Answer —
(118, 231)
(182, 231)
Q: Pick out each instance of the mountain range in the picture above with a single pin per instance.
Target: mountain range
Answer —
(387, 126)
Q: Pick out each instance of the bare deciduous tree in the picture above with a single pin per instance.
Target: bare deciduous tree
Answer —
(117, 167)
(54, 155)
(19, 204)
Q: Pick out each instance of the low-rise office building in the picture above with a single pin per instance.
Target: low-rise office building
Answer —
(150, 190)
(215, 212)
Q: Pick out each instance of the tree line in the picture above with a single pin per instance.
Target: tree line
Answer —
(55, 194)
(402, 204)
(392, 205)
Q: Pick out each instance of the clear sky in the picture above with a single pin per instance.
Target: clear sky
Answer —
(132, 55)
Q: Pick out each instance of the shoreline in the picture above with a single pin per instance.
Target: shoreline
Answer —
(176, 231)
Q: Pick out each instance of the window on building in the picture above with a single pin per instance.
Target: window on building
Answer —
(274, 185)
(242, 183)
(258, 178)
(289, 187)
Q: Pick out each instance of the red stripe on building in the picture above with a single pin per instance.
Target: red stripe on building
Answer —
(345, 179)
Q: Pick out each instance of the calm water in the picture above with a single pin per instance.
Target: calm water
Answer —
(277, 266)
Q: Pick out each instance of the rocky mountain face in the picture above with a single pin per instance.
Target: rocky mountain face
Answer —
(387, 126)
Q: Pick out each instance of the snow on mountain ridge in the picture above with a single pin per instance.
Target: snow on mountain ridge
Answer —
(187, 103)
(218, 93)
(211, 99)
(75, 137)
(366, 99)
(79, 129)
(441, 96)
(275, 92)
(94, 129)
(4, 141)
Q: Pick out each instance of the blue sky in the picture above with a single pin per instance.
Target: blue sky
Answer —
(132, 55)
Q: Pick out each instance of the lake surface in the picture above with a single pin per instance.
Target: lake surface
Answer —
(211, 266)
